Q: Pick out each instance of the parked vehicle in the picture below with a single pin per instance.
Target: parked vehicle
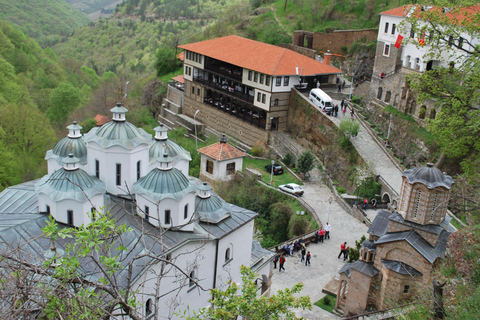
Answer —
(277, 169)
(321, 100)
(292, 188)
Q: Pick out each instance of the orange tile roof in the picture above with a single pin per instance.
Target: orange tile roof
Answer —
(101, 120)
(221, 151)
(455, 16)
(179, 78)
(181, 56)
(259, 56)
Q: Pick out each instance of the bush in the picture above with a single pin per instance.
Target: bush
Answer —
(288, 159)
(356, 100)
(257, 151)
(341, 190)
(326, 300)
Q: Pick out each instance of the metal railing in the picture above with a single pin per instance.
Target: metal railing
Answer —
(287, 144)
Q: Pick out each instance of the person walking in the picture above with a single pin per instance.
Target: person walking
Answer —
(303, 253)
(342, 104)
(322, 235)
(343, 84)
(327, 231)
(275, 260)
(282, 262)
(343, 246)
(309, 256)
(339, 88)
(336, 110)
(352, 113)
(345, 253)
(374, 203)
(344, 110)
(316, 237)
(365, 204)
(291, 249)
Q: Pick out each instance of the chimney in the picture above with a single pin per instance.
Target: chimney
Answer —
(326, 57)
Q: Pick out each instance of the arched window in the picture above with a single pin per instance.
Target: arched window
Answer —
(417, 204)
(138, 169)
(149, 307)
(388, 95)
(191, 281)
(227, 255)
(275, 102)
(380, 93)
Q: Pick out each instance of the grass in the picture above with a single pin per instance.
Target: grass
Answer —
(327, 307)
(259, 165)
(456, 224)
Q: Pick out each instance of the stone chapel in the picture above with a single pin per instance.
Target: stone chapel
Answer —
(403, 247)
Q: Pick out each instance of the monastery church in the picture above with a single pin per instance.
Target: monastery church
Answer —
(143, 182)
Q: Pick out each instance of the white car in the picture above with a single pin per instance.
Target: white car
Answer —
(292, 188)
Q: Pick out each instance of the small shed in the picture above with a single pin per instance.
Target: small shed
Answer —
(219, 161)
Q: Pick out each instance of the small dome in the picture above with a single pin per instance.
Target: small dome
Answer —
(430, 176)
(159, 184)
(70, 184)
(160, 147)
(68, 145)
(211, 209)
(121, 133)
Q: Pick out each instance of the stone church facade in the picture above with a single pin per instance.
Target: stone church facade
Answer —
(403, 247)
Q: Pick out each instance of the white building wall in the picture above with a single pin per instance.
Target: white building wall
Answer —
(59, 209)
(181, 164)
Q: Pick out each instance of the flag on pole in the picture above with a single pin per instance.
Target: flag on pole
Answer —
(421, 41)
(398, 43)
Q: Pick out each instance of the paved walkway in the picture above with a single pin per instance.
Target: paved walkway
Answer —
(324, 265)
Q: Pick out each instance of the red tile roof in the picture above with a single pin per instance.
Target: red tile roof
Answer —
(259, 56)
(179, 78)
(454, 16)
(101, 120)
(221, 151)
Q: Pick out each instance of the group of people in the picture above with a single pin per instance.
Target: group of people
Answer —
(323, 234)
(340, 85)
(373, 202)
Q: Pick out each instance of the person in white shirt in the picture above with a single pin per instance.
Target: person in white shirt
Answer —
(327, 231)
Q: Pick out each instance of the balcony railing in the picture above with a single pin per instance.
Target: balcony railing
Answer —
(224, 89)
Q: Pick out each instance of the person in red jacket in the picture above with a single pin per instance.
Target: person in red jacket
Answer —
(342, 249)
(322, 235)
(282, 262)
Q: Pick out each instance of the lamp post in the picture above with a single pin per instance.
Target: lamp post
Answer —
(388, 133)
(351, 90)
(194, 120)
(271, 177)
(126, 85)
(330, 200)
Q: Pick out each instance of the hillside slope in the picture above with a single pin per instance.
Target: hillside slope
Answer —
(44, 20)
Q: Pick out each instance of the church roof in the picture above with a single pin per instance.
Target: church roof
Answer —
(20, 198)
(432, 228)
(159, 184)
(160, 147)
(400, 267)
(366, 268)
(370, 245)
(68, 145)
(118, 133)
(259, 56)
(212, 209)
(379, 225)
(70, 184)
(260, 256)
(416, 241)
(221, 151)
(428, 175)
(101, 120)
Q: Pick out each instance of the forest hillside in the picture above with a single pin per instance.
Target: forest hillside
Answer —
(47, 21)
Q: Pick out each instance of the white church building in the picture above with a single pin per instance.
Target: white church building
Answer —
(143, 182)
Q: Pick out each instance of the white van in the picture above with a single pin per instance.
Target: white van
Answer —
(321, 99)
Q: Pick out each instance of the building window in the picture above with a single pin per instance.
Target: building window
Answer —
(386, 50)
(148, 307)
(48, 209)
(262, 76)
(198, 91)
(435, 201)
(365, 255)
(228, 255)
(199, 58)
(185, 212)
(191, 281)
(230, 168)
(209, 168)
(279, 81)
(119, 174)
(264, 98)
(460, 42)
(255, 77)
(186, 70)
(70, 217)
(259, 96)
(193, 90)
(275, 102)
(450, 41)
(92, 211)
(379, 93)
(147, 213)
(406, 289)
(412, 33)
(97, 169)
(167, 217)
(138, 169)
(250, 73)
(419, 195)
(394, 26)
(386, 27)
(267, 81)
(285, 81)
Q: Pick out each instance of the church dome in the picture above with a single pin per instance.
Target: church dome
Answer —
(430, 176)
(118, 132)
(70, 182)
(69, 145)
(164, 182)
(210, 208)
(169, 147)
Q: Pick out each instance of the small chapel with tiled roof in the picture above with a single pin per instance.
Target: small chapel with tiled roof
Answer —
(403, 248)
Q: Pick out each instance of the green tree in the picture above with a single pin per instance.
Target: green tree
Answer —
(8, 165)
(354, 253)
(349, 128)
(243, 301)
(306, 162)
(63, 100)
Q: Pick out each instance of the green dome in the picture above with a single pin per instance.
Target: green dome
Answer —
(160, 147)
(118, 133)
(68, 145)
